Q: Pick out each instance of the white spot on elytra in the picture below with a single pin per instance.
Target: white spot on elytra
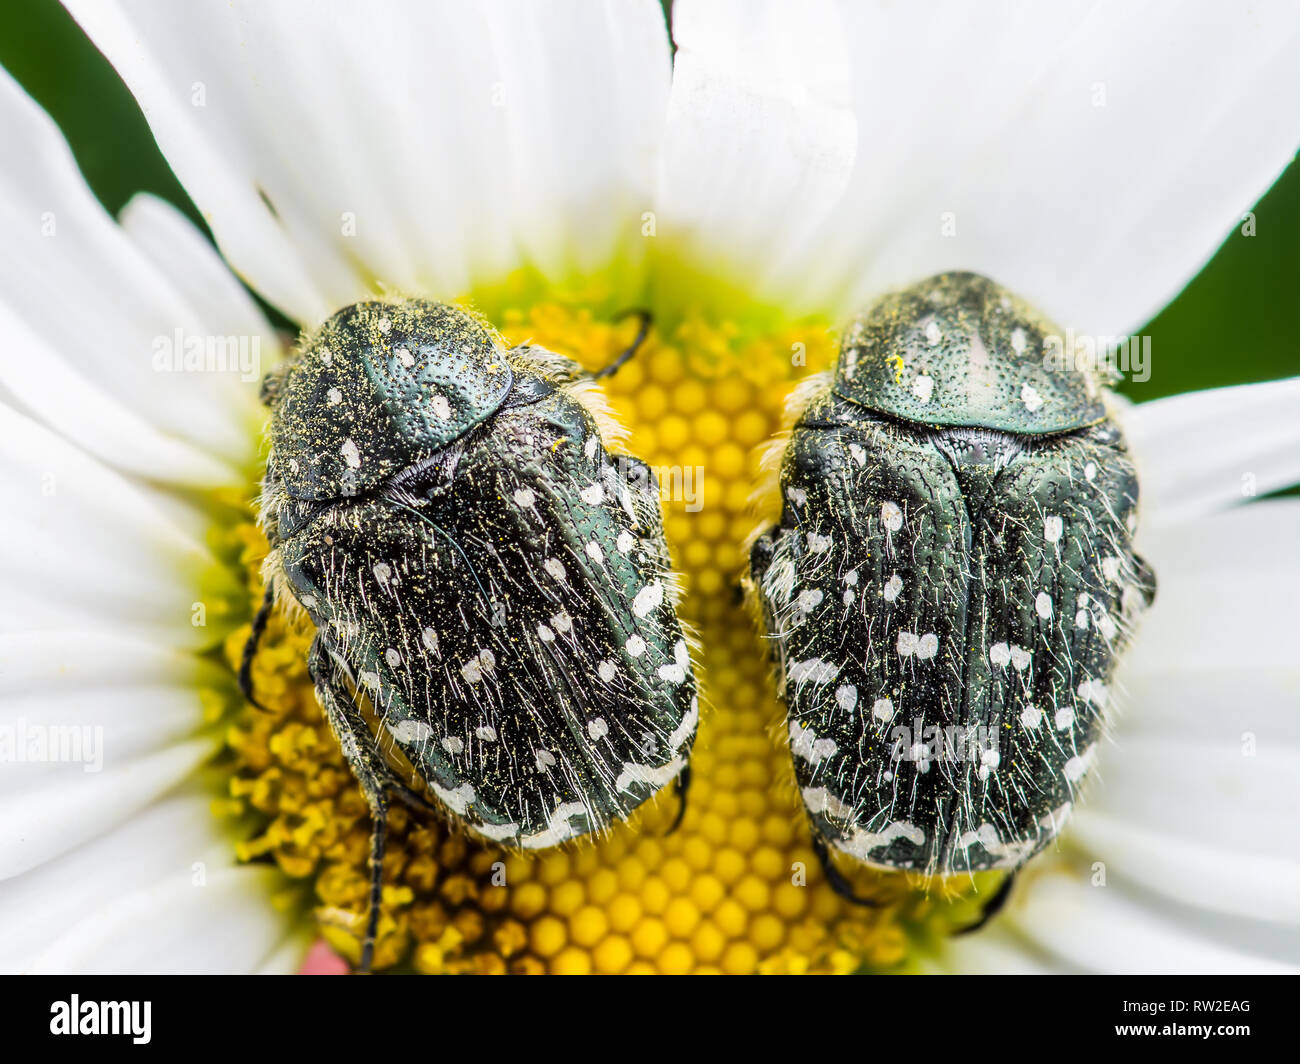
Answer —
(429, 638)
(893, 587)
(1031, 716)
(923, 646)
(804, 743)
(607, 670)
(635, 646)
(648, 598)
(797, 496)
(1019, 658)
(1018, 340)
(592, 495)
(1110, 568)
(883, 710)
(393, 658)
(809, 600)
(1081, 619)
(409, 731)
(847, 697)
(1093, 691)
(818, 543)
(932, 333)
(814, 671)
(525, 496)
(473, 670)
(1090, 471)
(1000, 655)
(1064, 718)
(545, 634)
(486, 732)
(334, 397)
(676, 672)
(385, 326)
(1030, 397)
(1053, 528)
(404, 356)
(858, 453)
(562, 622)
(1043, 605)
(923, 387)
(625, 542)
(555, 567)
(453, 744)
(351, 453)
(597, 729)
(441, 408)
(545, 760)
(891, 516)
(594, 552)
(383, 572)
(1077, 767)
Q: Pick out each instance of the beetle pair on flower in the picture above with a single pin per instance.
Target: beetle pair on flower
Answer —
(492, 586)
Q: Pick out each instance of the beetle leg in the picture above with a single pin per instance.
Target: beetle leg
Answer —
(835, 879)
(377, 779)
(260, 620)
(993, 907)
(680, 788)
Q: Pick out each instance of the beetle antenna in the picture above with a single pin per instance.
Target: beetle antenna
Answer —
(260, 620)
(647, 319)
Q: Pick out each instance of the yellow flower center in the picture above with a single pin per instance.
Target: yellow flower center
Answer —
(736, 888)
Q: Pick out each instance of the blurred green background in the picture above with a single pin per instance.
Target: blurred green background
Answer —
(1235, 322)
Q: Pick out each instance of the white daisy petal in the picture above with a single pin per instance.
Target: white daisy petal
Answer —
(761, 134)
(85, 548)
(176, 840)
(91, 315)
(70, 806)
(480, 138)
(288, 957)
(1014, 122)
(1207, 450)
(1209, 874)
(994, 952)
(174, 926)
(1102, 929)
(966, 134)
(1226, 593)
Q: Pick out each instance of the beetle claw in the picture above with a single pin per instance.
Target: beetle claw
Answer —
(680, 789)
(994, 906)
(835, 878)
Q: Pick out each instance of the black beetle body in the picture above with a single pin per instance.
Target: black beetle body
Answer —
(485, 578)
(950, 584)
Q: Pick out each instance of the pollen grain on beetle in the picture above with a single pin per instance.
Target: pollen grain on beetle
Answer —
(737, 887)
